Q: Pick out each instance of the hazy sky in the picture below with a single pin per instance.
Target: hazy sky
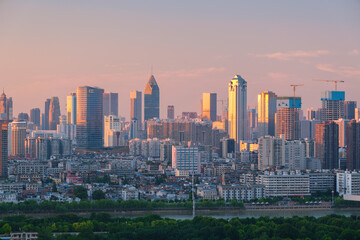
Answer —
(48, 48)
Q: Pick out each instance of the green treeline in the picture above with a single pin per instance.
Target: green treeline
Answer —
(32, 206)
(103, 227)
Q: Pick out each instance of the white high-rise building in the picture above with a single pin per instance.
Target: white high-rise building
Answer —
(295, 155)
(111, 123)
(271, 152)
(185, 160)
(348, 183)
(237, 109)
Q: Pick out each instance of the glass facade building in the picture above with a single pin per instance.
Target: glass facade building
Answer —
(151, 99)
(89, 117)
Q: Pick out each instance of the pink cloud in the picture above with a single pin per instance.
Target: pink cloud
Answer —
(285, 56)
(354, 52)
(277, 75)
(347, 71)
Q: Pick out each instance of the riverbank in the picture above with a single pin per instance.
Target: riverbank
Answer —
(214, 212)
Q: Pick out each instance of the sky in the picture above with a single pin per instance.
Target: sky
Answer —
(48, 48)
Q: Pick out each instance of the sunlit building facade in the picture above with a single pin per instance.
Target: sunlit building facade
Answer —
(266, 113)
(3, 148)
(209, 105)
(237, 109)
(136, 106)
(71, 108)
(287, 122)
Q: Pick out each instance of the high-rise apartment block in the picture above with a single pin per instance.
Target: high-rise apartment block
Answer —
(3, 148)
(18, 135)
(171, 112)
(332, 105)
(89, 117)
(237, 109)
(151, 99)
(112, 124)
(349, 109)
(71, 108)
(327, 144)
(185, 160)
(353, 145)
(287, 122)
(271, 152)
(209, 106)
(110, 104)
(266, 113)
(136, 106)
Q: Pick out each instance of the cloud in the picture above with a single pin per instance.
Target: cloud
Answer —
(346, 71)
(354, 52)
(192, 73)
(285, 56)
(277, 75)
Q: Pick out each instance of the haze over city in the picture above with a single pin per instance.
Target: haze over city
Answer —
(48, 48)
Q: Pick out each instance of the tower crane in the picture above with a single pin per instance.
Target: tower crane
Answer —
(331, 81)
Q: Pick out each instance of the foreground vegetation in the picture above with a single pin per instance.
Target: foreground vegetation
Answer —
(102, 226)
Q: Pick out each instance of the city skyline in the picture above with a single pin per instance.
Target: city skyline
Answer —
(181, 54)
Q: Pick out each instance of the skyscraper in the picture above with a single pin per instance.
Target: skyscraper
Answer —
(287, 118)
(110, 104)
(3, 112)
(252, 121)
(135, 106)
(18, 135)
(71, 108)
(6, 107)
(9, 108)
(332, 105)
(171, 112)
(266, 113)
(327, 144)
(54, 113)
(349, 109)
(353, 145)
(237, 109)
(46, 111)
(35, 116)
(89, 117)
(209, 107)
(3, 148)
(151, 99)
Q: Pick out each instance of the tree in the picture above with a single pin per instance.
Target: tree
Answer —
(5, 229)
(54, 188)
(98, 194)
(80, 192)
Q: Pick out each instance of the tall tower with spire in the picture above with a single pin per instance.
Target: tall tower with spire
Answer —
(151, 99)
